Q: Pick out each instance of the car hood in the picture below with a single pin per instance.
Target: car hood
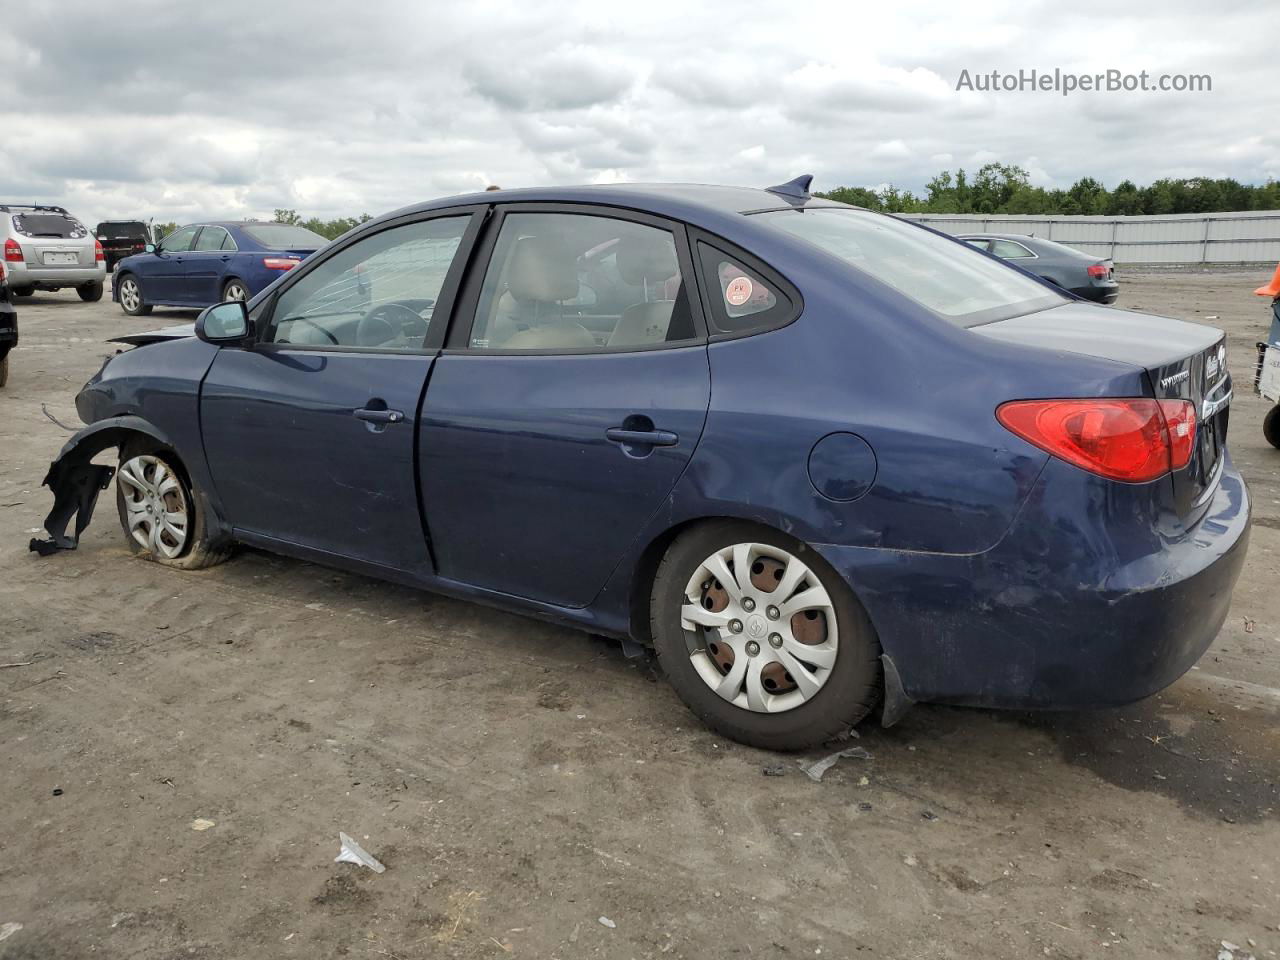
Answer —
(177, 332)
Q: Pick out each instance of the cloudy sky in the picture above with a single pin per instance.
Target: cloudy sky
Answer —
(182, 111)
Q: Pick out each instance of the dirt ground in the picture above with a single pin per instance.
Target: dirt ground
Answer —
(524, 783)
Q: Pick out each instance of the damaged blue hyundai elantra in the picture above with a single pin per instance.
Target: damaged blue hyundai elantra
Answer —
(822, 460)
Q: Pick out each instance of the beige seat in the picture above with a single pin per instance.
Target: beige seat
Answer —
(648, 263)
(541, 275)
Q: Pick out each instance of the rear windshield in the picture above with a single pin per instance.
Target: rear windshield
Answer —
(123, 230)
(281, 236)
(951, 279)
(48, 225)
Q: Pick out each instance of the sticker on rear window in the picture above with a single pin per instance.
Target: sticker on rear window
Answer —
(738, 291)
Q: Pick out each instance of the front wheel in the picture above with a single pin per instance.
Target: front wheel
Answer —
(234, 290)
(130, 297)
(1271, 427)
(163, 518)
(90, 292)
(761, 638)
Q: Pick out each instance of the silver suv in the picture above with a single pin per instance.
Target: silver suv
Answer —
(45, 248)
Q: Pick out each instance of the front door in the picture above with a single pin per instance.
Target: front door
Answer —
(161, 274)
(557, 423)
(310, 435)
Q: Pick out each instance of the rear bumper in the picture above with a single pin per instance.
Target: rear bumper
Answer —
(53, 278)
(1073, 609)
(1101, 293)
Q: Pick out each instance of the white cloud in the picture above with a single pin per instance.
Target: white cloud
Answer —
(186, 111)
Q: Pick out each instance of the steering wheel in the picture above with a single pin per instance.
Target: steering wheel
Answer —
(312, 323)
(376, 327)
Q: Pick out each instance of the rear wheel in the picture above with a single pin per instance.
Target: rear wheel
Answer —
(90, 292)
(1271, 427)
(130, 296)
(234, 289)
(761, 638)
(22, 291)
(4, 370)
(162, 516)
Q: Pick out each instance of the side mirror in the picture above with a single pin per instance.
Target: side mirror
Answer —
(150, 248)
(224, 323)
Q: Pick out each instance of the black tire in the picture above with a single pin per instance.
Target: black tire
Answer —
(4, 370)
(140, 308)
(90, 292)
(234, 289)
(200, 550)
(850, 692)
(1271, 427)
(22, 291)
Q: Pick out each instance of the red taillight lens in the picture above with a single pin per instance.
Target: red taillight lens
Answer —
(1099, 270)
(1132, 440)
(279, 263)
(98, 253)
(12, 252)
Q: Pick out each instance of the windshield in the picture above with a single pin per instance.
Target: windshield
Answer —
(123, 230)
(48, 225)
(281, 236)
(951, 279)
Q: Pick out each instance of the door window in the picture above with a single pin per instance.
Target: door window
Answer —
(378, 292)
(212, 238)
(1010, 250)
(568, 282)
(179, 241)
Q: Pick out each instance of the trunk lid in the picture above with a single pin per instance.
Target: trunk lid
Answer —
(1183, 361)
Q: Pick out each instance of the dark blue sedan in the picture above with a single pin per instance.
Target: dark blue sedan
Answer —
(206, 263)
(821, 459)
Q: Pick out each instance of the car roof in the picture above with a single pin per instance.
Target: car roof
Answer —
(678, 200)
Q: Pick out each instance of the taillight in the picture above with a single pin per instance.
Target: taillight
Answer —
(1098, 270)
(279, 263)
(1132, 440)
(12, 252)
(98, 254)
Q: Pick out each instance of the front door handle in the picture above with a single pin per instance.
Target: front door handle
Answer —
(379, 416)
(648, 438)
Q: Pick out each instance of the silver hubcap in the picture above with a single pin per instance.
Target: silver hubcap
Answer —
(155, 505)
(129, 295)
(235, 292)
(761, 627)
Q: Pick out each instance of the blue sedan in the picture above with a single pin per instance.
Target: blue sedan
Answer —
(206, 263)
(822, 460)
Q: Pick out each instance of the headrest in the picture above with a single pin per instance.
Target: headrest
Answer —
(646, 258)
(542, 269)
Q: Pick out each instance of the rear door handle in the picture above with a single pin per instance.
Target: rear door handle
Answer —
(651, 438)
(379, 416)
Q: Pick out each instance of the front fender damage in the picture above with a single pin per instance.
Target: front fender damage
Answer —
(76, 481)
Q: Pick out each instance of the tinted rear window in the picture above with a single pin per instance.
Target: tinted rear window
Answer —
(950, 279)
(123, 230)
(47, 225)
(281, 236)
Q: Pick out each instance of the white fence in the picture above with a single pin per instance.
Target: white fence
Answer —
(1247, 237)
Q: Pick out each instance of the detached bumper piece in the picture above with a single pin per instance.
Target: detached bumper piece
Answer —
(75, 484)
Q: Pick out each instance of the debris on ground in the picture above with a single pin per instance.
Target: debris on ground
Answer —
(35, 658)
(201, 824)
(928, 815)
(815, 770)
(606, 922)
(1249, 624)
(352, 852)
(7, 930)
(1229, 951)
(774, 770)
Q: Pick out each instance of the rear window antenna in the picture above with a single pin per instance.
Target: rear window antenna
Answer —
(797, 188)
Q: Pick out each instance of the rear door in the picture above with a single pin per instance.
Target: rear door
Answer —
(572, 395)
(204, 265)
(310, 435)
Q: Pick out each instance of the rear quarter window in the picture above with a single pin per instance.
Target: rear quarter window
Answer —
(741, 298)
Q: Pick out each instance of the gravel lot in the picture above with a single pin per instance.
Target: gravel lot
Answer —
(521, 782)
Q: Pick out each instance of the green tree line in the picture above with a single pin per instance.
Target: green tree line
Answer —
(1006, 188)
(329, 229)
